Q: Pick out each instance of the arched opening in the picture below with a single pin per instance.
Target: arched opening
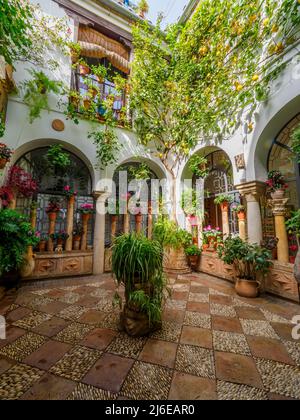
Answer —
(51, 182)
(218, 181)
(128, 167)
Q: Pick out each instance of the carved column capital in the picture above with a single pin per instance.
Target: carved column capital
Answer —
(252, 191)
(101, 195)
(278, 206)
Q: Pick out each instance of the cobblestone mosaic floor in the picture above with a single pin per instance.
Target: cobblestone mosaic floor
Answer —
(63, 343)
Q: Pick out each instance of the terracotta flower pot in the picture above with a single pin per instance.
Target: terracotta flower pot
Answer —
(224, 206)
(87, 103)
(3, 163)
(52, 216)
(84, 70)
(85, 217)
(138, 218)
(241, 215)
(205, 246)
(42, 246)
(76, 243)
(246, 288)
(278, 194)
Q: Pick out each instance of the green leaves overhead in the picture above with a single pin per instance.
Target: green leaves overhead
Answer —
(193, 83)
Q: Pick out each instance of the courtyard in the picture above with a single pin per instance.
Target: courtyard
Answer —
(63, 343)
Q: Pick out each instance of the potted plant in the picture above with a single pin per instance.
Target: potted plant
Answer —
(239, 210)
(20, 182)
(293, 252)
(43, 242)
(5, 155)
(174, 240)
(143, 8)
(6, 196)
(137, 265)
(198, 165)
(69, 192)
(100, 72)
(270, 244)
(223, 200)
(37, 91)
(293, 228)
(77, 236)
(53, 208)
(92, 88)
(84, 68)
(58, 159)
(86, 210)
(212, 237)
(16, 235)
(276, 184)
(75, 50)
(249, 261)
(193, 253)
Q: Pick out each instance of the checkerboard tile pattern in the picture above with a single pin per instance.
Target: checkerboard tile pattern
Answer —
(213, 345)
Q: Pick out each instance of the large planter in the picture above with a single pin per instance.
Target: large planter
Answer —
(247, 288)
(3, 163)
(136, 323)
(76, 242)
(278, 194)
(175, 261)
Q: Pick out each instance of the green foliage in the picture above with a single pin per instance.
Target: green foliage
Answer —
(293, 224)
(223, 198)
(296, 143)
(15, 26)
(193, 250)
(137, 264)
(197, 165)
(139, 172)
(37, 91)
(107, 145)
(193, 83)
(189, 202)
(249, 260)
(168, 234)
(99, 71)
(57, 158)
(237, 208)
(16, 234)
(143, 6)
(2, 125)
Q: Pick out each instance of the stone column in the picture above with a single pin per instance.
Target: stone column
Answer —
(252, 191)
(70, 223)
(278, 206)
(52, 221)
(114, 220)
(99, 232)
(126, 220)
(85, 221)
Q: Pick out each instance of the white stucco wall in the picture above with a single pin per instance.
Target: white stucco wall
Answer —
(22, 136)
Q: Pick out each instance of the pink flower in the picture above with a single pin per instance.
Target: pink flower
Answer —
(67, 188)
(217, 228)
(69, 31)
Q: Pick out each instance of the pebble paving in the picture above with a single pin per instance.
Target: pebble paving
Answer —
(220, 360)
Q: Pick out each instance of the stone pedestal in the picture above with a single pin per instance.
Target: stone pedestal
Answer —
(85, 221)
(252, 191)
(225, 219)
(99, 232)
(242, 225)
(70, 223)
(278, 206)
(52, 221)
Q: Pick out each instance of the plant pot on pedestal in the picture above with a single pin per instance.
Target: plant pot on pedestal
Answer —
(224, 206)
(247, 288)
(42, 246)
(76, 242)
(241, 215)
(278, 194)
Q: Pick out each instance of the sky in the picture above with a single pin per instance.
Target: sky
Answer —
(172, 9)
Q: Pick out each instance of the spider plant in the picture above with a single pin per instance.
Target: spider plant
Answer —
(137, 265)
